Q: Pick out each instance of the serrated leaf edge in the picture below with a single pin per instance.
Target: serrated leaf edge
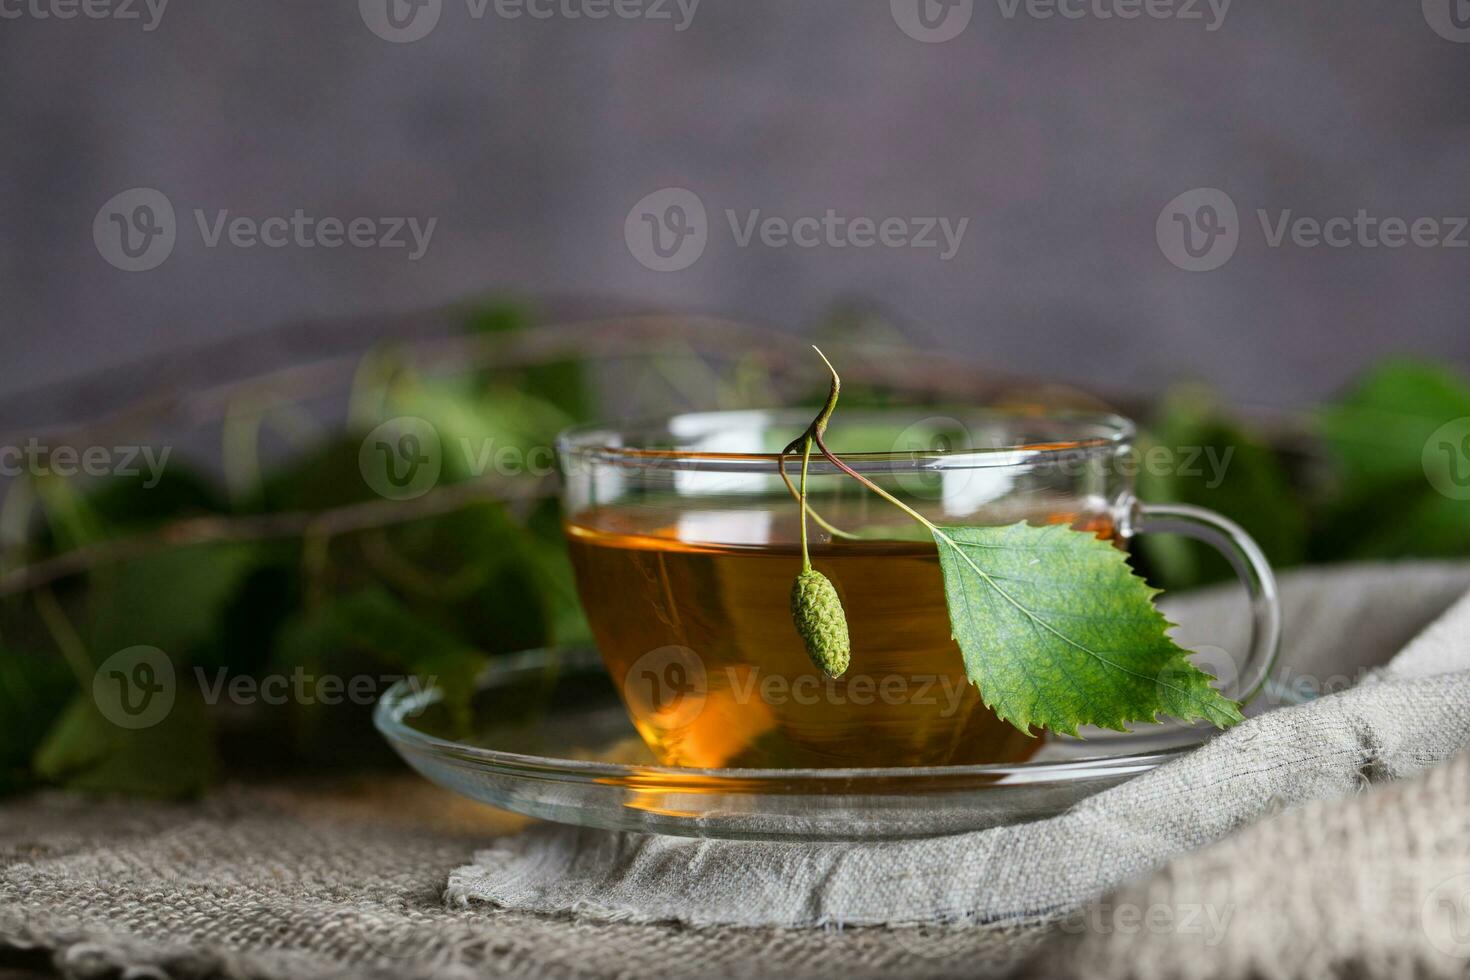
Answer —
(1025, 724)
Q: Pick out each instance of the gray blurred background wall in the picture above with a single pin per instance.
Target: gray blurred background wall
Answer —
(1061, 139)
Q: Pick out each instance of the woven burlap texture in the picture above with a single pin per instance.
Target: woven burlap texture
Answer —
(1376, 886)
(313, 882)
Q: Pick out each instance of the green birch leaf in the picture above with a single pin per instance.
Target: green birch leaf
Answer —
(1058, 632)
(174, 759)
(1376, 433)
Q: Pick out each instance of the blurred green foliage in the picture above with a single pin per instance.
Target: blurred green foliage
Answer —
(434, 596)
(1348, 483)
(1214, 462)
(438, 595)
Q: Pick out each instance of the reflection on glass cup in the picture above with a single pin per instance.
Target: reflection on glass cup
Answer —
(685, 542)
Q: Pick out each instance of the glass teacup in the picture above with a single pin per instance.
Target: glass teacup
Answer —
(685, 540)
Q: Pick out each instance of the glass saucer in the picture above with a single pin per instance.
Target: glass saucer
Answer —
(548, 737)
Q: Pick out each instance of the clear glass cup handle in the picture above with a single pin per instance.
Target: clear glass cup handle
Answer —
(1249, 562)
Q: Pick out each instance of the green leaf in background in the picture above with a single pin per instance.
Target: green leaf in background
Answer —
(327, 476)
(562, 383)
(1384, 505)
(483, 432)
(1058, 632)
(478, 572)
(431, 596)
(172, 600)
(268, 595)
(1195, 455)
(1398, 522)
(128, 502)
(1376, 433)
(551, 565)
(70, 520)
(172, 759)
(861, 324)
(34, 687)
(375, 623)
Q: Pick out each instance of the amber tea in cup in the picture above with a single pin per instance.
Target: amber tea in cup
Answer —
(685, 543)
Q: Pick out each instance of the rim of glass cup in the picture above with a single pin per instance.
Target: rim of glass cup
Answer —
(597, 442)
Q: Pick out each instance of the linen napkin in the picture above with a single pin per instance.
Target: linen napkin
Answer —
(1384, 704)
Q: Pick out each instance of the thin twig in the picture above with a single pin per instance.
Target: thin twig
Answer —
(818, 426)
(64, 634)
(902, 367)
(262, 527)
